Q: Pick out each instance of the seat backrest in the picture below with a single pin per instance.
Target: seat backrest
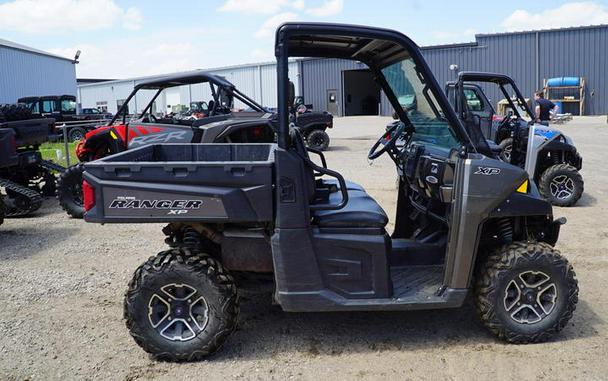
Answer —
(298, 145)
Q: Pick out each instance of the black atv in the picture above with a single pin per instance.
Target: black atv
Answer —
(549, 156)
(466, 222)
(312, 124)
(24, 176)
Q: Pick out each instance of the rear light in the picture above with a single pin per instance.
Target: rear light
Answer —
(88, 193)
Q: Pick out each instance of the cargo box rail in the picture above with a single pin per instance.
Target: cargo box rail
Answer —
(182, 182)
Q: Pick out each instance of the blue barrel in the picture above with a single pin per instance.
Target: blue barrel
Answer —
(563, 81)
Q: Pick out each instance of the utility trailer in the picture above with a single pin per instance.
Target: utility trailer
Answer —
(466, 222)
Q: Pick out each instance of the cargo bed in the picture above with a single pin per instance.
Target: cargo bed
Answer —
(183, 182)
(31, 131)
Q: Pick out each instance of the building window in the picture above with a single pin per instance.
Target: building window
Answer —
(102, 106)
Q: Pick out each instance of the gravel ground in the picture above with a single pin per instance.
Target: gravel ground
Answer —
(62, 283)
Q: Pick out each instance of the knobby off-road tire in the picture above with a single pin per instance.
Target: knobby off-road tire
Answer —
(15, 112)
(561, 185)
(76, 134)
(2, 207)
(202, 283)
(506, 149)
(69, 191)
(318, 139)
(513, 268)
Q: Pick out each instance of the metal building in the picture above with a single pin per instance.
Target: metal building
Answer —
(259, 81)
(346, 88)
(26, 71)
(529, 57)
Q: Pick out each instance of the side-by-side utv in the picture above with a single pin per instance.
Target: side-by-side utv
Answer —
(217, 123)
(466, 222)
(549, 156)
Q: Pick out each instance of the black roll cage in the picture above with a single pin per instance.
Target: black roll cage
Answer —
(216, 83)
(376, 47)
(501, 80)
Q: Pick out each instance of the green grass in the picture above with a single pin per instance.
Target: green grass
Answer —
(49, 152)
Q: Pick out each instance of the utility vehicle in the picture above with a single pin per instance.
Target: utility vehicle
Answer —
(549, 156)
(217, 124)
(466, 222)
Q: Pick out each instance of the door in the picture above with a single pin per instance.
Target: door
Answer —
(332, 102)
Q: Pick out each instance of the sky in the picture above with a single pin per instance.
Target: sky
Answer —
(122, 39)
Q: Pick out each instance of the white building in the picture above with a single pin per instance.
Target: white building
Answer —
(257, 81)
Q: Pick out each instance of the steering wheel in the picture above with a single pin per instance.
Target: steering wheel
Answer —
(388, 141)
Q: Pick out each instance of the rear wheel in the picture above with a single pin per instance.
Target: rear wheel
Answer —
(526, 292)
(562, 185)
(318, 139)
(181, 306)
(69, 191)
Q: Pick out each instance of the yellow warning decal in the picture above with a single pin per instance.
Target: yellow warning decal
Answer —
(113, 135)
(523, 188)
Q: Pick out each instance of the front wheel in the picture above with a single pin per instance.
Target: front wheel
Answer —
(318, 139)
(2, 207)
(506, 149)
(526, 292)
(561, 185)
(69, 191)
(181, 306)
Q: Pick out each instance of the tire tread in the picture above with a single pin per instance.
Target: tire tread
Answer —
(201, 265)
(503, 260)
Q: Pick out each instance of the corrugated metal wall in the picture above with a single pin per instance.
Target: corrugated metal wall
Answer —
(27, 74)
(320, 75)
(573, 52)
(528, 57)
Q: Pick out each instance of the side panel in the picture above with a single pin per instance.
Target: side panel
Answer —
(149, 133)
(484, 183)
(354, 266)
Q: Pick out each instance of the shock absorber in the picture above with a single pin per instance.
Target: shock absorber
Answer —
(191, 239)
(505, 230)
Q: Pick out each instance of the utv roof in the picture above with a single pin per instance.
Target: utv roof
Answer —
(46, 97)
(344, 41)
(480, 76)
(187, 78)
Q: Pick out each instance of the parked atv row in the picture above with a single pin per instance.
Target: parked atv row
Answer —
(218, 125)
(466, 221)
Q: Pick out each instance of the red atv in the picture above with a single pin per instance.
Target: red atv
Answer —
(219, 125)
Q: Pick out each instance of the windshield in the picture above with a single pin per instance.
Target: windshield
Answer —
(420, 104)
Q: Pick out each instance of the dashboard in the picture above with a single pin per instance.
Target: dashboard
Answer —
(429, 170)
